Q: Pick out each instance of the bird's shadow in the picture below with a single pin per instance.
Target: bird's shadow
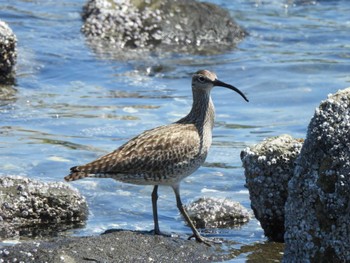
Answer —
(214, 241)
(142, 232)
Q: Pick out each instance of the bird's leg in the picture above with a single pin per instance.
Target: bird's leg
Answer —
(196, 234)
(155, 211)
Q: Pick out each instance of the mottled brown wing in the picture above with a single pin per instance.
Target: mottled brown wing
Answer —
(153, 150)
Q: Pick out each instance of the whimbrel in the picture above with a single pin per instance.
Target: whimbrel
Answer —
(167, 154)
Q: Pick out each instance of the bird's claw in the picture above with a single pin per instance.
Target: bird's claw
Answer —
(159, 233)
(201, 239)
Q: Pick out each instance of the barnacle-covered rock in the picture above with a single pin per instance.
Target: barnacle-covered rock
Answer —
(269, 166)
(8, 53)
(33, 208)
(318, 205)
(209, 212)
(181, 25)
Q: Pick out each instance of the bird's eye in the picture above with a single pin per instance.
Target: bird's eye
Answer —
(201, 79)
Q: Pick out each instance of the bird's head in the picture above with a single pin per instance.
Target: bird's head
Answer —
(206, 80)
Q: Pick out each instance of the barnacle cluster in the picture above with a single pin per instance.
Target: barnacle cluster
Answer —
(317, 210)
(269, 166)
(8, 52)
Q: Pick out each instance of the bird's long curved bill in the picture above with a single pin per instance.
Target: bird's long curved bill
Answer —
(223, 84)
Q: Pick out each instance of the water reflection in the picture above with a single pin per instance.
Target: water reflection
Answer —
(258, 252)
(7, 94)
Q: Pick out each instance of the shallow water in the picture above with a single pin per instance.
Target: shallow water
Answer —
(71, 105)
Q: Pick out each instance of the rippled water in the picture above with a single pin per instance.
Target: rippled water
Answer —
(71, 105)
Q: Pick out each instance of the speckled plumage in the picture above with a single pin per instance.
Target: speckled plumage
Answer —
(166, 154)
(163, 155)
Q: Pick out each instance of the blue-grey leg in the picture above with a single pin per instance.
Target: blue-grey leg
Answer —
(182, 210)
(155, 211)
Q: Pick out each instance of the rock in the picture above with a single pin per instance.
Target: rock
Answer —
(268, 167)
(318, 205)
(8, 53)
(182, 25)
(209, 212)
(133, 246)
(120, 246)
(32, 208)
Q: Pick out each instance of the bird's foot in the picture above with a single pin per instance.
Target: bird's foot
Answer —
(201, 239)
(158, 233)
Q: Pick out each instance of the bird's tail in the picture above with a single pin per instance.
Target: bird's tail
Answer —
(97, 168)
(76, 173)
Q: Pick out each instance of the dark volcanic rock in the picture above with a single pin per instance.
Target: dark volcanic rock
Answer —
(269, 166)
(121, 246)
(32, 208)
(182, 25)
(8, 53)
(318, 204)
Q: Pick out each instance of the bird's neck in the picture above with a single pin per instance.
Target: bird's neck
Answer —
(202, 113)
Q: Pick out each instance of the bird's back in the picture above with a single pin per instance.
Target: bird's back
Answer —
(163, 155)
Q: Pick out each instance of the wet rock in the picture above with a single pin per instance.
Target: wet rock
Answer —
(185, 26)
(32, 208)
(120, 246)
(268, 167)
(211, 212)
(8, 53)
(318, 205)
(126, 246)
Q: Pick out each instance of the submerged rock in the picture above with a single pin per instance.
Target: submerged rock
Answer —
(7, 94)
(185, 26)
(318, 205)
(32, 208)
(269, 166)
(211, 212)
(8, 53)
